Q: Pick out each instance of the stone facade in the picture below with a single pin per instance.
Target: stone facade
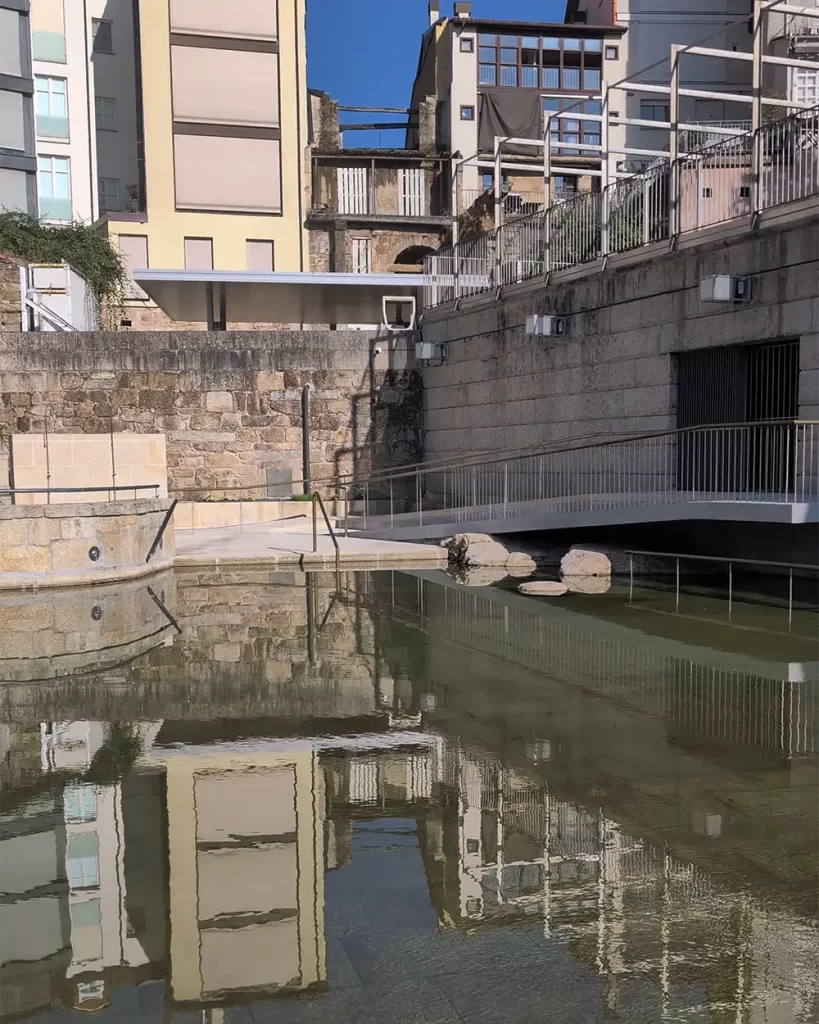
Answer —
(614, 371)
(228, 403)
(65, 545)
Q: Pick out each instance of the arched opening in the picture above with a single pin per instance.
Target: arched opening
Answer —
(411, 259)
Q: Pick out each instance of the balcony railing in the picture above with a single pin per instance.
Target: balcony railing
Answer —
(716, 184)
(369, 188)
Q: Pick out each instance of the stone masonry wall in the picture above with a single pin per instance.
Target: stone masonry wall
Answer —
(614, 370)
(229, 403)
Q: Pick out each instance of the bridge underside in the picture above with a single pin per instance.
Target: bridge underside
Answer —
(536, 516)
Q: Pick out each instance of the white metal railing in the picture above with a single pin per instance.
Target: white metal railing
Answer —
(774, 462)
(732, 178)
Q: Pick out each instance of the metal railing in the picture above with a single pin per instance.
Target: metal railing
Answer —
(730, 179)
(108, 489)
(772, 462)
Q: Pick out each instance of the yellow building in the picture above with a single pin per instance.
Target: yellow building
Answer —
(222, 130)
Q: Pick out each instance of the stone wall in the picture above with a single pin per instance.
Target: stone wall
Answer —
(229, 403)
(614, 370)
(66, 545)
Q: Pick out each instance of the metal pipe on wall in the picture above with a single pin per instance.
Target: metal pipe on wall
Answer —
(305, 438)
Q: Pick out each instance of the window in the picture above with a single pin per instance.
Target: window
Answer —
(102, 32)
(487, 74)
(509, 75)
(353, 194)
(82, 861)
(51, 97)
(591, 79)
(54, 183)
(706, 193)
(467, 113)
(487, 40)
(488, 53)
(411, 192)
(571, 78)
(259, 255)
(198, 254)
(593, 45)
(612, 52)
(744, 191)
(551, 43)
(571, 44)
(80, 802)
(551, 78)
(528, 77)
(362, 255)
(51, 107)
(473, 846)
(467, 44)
(650, 111)
(108, 193)
(487, 180)
(106, 111)
(565, 183)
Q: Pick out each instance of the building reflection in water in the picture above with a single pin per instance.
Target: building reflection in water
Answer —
(199, 877)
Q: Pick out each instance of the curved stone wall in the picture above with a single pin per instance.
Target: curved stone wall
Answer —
(91, 542)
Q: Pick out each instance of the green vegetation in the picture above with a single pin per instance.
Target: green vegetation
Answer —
(302, 497)
(88, 251)
(116, 756)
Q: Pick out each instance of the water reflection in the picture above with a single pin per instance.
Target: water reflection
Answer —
(443, 805)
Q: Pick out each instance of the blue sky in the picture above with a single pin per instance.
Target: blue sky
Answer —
(365, 52)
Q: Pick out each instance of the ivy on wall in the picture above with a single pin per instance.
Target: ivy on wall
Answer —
(87, 251)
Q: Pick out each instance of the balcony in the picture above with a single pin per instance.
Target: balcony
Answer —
(384, 187)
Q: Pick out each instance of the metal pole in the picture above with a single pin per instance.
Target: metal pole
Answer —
(678, 586)
(315, 527)
(674, 143)
(604, 181)
(630, 577)
(305, 439)
(790, 597)
(756, 109)
(730, 587)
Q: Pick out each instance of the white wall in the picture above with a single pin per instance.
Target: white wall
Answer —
(464, 92)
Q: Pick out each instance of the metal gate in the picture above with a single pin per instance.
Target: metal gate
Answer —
(737, 384)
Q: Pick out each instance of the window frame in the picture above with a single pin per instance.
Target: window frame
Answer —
(611, 52)
(356, 248)
(467, 44)
(52, 172)
(100, 190)
(50, 93)
(96, 23)
(99, 115)
(644, 104)
(467, 107)
(496, 68)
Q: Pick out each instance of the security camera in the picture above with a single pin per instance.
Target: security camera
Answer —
(377, 350)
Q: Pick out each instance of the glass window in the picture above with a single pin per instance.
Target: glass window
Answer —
(53, 177)
(509, 56)
(551, 78)
(650, 111)
(80, 802)
(103, 35)
(551, 103)
(530, 57)
(82, 861)
(487, 74)
(467, 44)
(571, 78)
(487, 180)
(509, 76)
(467, 113)
(571, 126)
(591, 79)
(593, 45)
(592, 107)
(571, 44)
(551, 43)
(591, 140)
(532, 42)
(487, 40)
(565, 183)
(612, 52)
(51, 98)
(109, 194)
(509, 41)
(106, 111)
(488, 53)
(529, 77)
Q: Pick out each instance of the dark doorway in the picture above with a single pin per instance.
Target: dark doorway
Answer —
(737, 384)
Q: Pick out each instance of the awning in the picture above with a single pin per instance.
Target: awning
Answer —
(238, 296)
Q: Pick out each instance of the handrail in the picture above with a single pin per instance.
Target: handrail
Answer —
(160, 532)
(81, 490)
(724, 559)
(317, 499)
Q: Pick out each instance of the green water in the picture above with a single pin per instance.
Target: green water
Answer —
(393, 797)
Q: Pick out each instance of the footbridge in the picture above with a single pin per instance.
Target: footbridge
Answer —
(742, 472)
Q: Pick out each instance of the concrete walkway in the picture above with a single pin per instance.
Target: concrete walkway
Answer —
(270, 544)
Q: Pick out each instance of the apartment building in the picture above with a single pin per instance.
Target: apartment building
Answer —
(223, 128)
(18, 164)
(499, 78)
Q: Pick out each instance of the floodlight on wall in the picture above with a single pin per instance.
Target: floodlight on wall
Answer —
(545, 325)
(725, 288)
(428, 351)
(398, 312)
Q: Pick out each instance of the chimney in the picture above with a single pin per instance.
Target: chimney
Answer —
(463, 10)
(434, 11)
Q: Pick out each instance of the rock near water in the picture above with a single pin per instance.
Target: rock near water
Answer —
(544, 588)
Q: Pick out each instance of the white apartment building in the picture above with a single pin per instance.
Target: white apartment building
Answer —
(73, 64)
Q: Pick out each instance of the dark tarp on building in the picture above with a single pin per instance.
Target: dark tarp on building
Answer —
(515, 113)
